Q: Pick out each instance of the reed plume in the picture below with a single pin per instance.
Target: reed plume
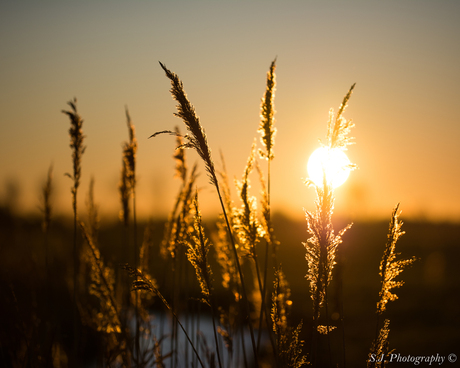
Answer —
(389, 267)
(180, 219)
(124, 190)
(76, 144)
(179, 157)
(267, 115)
(268, 132)
(339, 127)
(106, 317)
(197, 254)
(322, 245)
(289, 346)
(129, 153)
(77, 147)
(197, 138)
(247, 226)
(198, 141)
(380, 347)
(102, 287)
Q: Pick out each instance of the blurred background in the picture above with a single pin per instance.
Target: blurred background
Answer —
(403, 57)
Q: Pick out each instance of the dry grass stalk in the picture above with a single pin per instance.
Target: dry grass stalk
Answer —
(389, 267)
(129, 153)
(266, 223)
(198, 141)
(180, 219)
(267, 119)
(77, 147)
(102, 287)
(76, 144)
(106, 317)
(288, 344)
(338, 128)
(179, 157)
(197, 254)
(389, 270)
(247, 226)
(47, 192)
(322, 245)
(380, 348)
(124, 190)
(143, 282)
(197, 137)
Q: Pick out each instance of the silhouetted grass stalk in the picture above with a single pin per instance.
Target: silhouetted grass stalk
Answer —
(197, 254)
(322, 245)
(143, 283)
(198, 141)
(129, 157)
(47, 191)
(76, 144)
(389, 268)
(268, 133)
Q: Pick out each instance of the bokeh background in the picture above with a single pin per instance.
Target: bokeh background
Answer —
(403, 55)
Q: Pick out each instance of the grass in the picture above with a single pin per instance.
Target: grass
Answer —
(235, 271)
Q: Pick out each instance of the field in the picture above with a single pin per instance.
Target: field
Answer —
(424, 320)
(252, 288)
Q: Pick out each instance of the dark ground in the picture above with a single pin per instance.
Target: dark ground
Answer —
(425, 320)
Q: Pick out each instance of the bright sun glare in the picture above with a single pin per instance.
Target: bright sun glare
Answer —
(335, 164)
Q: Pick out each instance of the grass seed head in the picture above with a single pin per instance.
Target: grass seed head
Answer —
(267, 115)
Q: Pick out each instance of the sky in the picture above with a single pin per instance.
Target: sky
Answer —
(404, 57)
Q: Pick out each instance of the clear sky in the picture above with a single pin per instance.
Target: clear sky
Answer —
(403, 55)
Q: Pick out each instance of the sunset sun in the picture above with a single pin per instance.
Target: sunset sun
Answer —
(333, 162)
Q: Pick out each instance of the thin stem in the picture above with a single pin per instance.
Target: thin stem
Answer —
(136, 262)
(75, 275)
(213, 310)
(264, 289)
(262, 308)
(243, 287)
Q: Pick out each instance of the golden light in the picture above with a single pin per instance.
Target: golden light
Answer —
(334, 163)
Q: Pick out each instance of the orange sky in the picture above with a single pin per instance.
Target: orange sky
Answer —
(403, 55)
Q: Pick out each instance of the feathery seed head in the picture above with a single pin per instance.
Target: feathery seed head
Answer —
(248, 228)
(197, 137)
(338, 128)
(76, 142)
(197, 254)
(129, 153)
(267, 115)
(389, 267)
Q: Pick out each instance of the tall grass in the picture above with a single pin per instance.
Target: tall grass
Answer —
(228, 272)
(76, 144)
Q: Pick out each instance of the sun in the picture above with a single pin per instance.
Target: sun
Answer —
(330, 161)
